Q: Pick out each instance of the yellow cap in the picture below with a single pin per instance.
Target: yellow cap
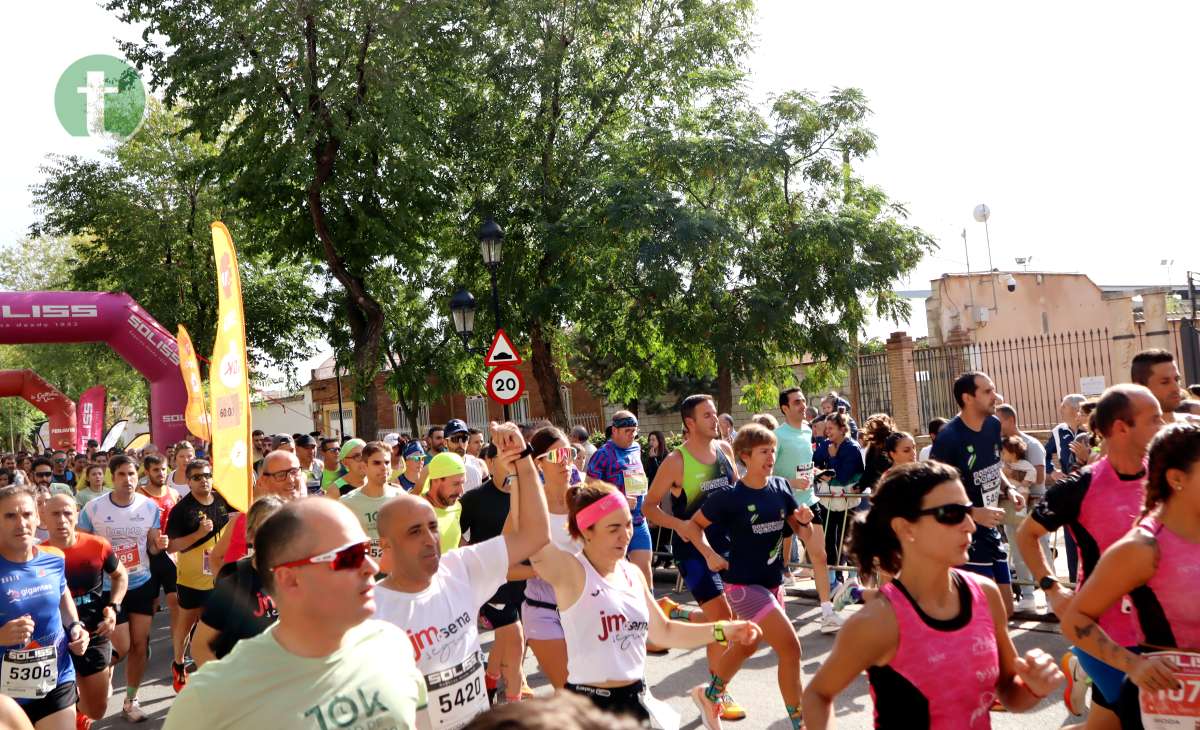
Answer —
(446, 464)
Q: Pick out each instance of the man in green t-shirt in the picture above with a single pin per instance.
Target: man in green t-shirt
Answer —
(794, 462)
(365, 501)
(443, 488)
(330, 468)
(325, 660)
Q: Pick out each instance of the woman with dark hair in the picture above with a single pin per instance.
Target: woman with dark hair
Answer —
(554, 457)
(238, 607)
(933, 623)
(842, 455)
(1155, 565)
(608, 664)
(656, 451)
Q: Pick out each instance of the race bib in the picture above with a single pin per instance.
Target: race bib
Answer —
(456, 696)
(30, 674)
(1176, 708)
(206, 563)
(129, 555)
(376, 549)
(991, 495)
(636, 484)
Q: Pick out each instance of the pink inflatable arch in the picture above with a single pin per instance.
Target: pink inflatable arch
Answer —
(59, 409)
(40, 317)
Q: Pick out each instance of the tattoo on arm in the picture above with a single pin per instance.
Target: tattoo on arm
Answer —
(1110, 651)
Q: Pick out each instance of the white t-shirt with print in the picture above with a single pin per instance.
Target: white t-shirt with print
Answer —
(441, 623)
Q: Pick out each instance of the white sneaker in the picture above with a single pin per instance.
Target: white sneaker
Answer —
(1076, 688)
(844, 595)
(710, 712)
(131, 710)
(831, 623)
(1027, 603)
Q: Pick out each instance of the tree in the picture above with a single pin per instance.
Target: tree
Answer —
(329, 116)
(140, 224)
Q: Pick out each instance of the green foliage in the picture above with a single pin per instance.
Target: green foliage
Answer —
(140, 224)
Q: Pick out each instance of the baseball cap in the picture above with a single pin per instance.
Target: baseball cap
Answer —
(279, 439)
(306, 441)
(453, 426)
(349, 446)
(391, 439)
(446, 464)
(413, 448)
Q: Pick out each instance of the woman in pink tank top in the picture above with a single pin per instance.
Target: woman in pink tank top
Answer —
(932, 623)
(607, 610)
(1157, 564)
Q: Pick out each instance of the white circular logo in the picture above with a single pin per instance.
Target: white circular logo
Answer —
(504, 385)
(237, 454)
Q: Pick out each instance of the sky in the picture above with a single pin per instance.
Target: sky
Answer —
(1074, 122)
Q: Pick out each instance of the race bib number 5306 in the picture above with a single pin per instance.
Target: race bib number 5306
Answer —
(30, 674)
(1176, 708)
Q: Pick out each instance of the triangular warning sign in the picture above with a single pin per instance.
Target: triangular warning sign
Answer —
(501, 352)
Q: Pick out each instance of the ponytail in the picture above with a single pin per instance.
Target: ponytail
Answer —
(898, 494)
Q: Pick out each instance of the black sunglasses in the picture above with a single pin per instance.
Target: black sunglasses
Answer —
(948, 514)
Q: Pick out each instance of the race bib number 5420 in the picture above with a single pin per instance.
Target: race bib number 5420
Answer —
(456, 696)
(1176, 708)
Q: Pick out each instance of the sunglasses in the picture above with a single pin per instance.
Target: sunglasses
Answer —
(416, 457)
(561, 455)
(348, 557)
(457, 437)
(202, 475)
(332, 448)
(948, 514)
(46, 474)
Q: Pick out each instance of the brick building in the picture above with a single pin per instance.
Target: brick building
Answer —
(476, 409)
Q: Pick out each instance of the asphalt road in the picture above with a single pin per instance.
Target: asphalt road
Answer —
(671, 676)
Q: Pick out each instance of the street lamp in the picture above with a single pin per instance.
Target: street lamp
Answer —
(462, 311)
(1167, 263)
(491, 240)
(982, 213)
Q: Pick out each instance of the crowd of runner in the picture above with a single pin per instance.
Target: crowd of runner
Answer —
(353, 591)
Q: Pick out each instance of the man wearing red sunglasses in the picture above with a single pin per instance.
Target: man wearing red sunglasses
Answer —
(325, 660)
(435, 596)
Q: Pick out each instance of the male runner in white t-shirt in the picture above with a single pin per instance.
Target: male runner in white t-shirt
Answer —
(436, 598)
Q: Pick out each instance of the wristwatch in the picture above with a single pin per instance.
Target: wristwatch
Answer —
(116, 608)
(72, 625)
(527, 451)
(1047, 583)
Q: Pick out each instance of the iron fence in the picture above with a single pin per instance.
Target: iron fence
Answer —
(874, 385)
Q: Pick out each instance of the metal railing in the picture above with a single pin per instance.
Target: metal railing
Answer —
(874, 386)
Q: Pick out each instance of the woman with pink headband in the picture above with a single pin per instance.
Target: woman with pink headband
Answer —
(608, 611)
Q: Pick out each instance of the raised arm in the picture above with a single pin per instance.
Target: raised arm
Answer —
(528, 502)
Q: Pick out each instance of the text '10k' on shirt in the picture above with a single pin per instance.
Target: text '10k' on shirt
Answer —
(441, 623)
(976, 455)
(369, 682)
(35, 588)
(756, 520)
(126, 529)
(366, 509)
(195, 568)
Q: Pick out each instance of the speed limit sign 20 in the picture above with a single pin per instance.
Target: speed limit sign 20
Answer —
(505, 385)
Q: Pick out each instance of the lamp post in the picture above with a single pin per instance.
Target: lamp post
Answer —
(462, 304)
(1168, 263)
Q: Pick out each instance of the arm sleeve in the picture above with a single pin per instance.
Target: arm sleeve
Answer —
(486, 566)
(1051, 450)
(1063, 499)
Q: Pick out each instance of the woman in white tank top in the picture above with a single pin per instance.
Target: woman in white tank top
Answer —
(607, 610)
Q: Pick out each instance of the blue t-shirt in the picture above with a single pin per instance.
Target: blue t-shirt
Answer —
(36, 588)
(976, 455)
(756, 521)
(794, 458)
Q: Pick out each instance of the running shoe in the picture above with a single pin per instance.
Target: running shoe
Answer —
(831, 623)
(132, 711)
(844, 595)
(82, 721)
(730, 709)
(1075, 692)
(710, 712)
(1027, 603)
(672, 609)
(526, 691)
(178, 677)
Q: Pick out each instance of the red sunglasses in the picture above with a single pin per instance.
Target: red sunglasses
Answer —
(348, 557)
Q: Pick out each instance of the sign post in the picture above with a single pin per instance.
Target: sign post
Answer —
(505, 384)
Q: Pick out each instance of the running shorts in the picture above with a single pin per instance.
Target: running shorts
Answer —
(998, 571)
(753, 602)
(617, 700)
(163, 573)
(640, 539)
(96, 659)
(702, 583)
(138, 600)
(59, 699)
(541, 623)
(191, 598)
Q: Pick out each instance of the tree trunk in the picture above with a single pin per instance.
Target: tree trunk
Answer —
(544, 372)
(724, 390)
